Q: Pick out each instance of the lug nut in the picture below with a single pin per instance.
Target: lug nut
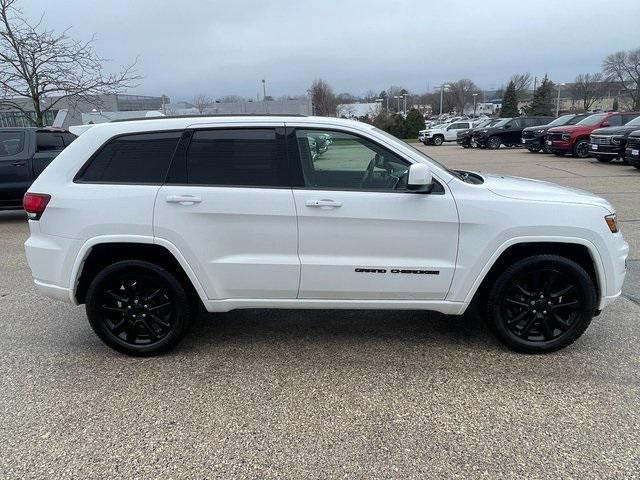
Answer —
(533, 312)
(544, 312)
(533, 303)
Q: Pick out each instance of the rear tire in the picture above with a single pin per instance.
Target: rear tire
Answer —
(541, 304)
(493, 143)
(438, 140)
(138, 308)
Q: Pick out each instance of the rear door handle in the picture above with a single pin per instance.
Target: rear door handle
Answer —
(323, 203)
(183, 199)
(19, 164)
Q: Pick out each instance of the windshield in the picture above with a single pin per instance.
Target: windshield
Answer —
(563, 120)
(634, 122)
(501, 122)
(593, 119)
(424, 155)
(577, 119)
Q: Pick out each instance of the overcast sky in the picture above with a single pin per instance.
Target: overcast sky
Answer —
(225, 47)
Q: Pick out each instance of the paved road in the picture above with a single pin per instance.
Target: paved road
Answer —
(318, 394)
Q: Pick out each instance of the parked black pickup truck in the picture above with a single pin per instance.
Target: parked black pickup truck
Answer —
(534, 138)
(24, 154)
(632, 153)
(508, 133)
(609, 143)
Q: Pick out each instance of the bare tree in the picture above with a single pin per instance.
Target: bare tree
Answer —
(624, 68)
(202, 102)
(323, 98)
(44, 67)
(461, 93)
(588, 88)
(522, 82)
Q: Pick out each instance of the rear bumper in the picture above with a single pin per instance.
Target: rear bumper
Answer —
(51, 260)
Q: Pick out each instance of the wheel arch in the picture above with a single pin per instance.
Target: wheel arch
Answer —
(581, 251)
(102, 251)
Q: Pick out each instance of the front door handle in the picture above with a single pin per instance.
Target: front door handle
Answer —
(183, 199)
(323, 203)
(19, 164)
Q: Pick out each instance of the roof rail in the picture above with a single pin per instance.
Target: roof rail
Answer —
(209, 116)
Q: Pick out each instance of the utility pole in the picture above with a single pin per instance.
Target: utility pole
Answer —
(560, 85)
(264, 90)
(442, 87)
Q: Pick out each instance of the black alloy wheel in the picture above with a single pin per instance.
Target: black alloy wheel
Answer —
(581, 149)
(541, 304)
(138, 308)
(493, 143)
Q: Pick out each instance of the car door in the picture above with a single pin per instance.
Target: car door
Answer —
(361, 234)
(512, 133)
(228, 208)
(15, 168)
(453, 129)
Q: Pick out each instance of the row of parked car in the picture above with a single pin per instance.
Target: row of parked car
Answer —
(605, 136)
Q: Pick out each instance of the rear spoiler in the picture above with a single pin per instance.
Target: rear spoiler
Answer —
(79, 129)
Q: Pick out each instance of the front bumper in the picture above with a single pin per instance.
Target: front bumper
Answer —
(559, 146)
(632, 156)
(616, 275)
(533, 142)
(608, 150)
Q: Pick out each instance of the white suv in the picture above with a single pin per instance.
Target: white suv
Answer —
(443, 133)
(144, 221)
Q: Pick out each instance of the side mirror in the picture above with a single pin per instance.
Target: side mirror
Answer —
(605, 124)
(420, 178)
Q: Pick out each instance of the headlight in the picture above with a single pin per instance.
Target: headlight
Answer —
(616, 140)
(566, 136)
(612, 222)
(540, 131)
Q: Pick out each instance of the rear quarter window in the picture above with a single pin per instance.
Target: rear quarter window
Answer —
(138, 158)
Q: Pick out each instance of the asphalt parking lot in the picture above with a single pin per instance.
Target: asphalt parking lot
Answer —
(320, 394)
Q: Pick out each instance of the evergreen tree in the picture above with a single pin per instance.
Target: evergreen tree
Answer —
(413, 124)
(510, 102)
(542, 103)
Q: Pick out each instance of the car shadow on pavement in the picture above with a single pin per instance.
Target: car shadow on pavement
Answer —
(346, 327)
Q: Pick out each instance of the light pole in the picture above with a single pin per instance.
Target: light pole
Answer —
(264, 89)
(442, 89)
(558, 102)
(398, 97)
(405, 104)
(474, 104)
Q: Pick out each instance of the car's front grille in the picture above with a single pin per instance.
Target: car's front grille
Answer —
(554, 136)
(528, 134)
(633, 142)
(600, 140)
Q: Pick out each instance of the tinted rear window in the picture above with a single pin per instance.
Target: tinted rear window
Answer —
(142, 158)
(49, 141)
(236, 157)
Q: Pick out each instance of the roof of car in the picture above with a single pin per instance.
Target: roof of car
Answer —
(201, 121)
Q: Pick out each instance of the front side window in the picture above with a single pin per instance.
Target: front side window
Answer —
(339, 160)
(615, 120)
(237, 157)
(11, 143)
(139, 158)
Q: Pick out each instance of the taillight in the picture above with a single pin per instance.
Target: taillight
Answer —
(34, 204)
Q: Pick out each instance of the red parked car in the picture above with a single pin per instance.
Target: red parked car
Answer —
(574, 139)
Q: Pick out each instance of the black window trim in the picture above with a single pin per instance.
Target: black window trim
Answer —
(78, 176)
(177, 176)
(296, 164)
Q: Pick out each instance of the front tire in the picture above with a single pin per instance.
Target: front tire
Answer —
(541, 304)
(138, 308)
(581, 149)
(493, 143)
(438, 140)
